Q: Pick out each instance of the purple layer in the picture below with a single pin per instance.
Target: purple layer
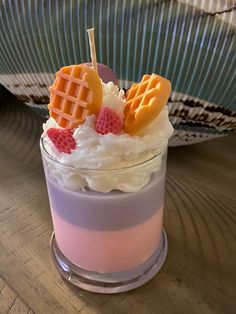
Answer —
(111, 211)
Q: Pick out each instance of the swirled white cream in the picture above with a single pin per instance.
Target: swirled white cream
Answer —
(113, 98)
(109, 151)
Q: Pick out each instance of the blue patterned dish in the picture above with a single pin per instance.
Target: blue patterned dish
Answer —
(192, 43)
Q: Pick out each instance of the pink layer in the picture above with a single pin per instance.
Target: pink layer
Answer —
(108, 251)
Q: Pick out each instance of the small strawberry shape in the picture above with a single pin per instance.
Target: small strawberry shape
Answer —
(108, 121)
(62, 139)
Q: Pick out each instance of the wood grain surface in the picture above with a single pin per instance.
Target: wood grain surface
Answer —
(199, 275)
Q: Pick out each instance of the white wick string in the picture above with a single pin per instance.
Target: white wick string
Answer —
(92, 48)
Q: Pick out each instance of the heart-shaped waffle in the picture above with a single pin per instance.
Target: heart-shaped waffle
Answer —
(75, 93)
(145, 100)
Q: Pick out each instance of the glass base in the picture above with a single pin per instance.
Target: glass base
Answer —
(109, 282)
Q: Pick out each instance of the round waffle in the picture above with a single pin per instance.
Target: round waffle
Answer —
(145, 100)
(75, 93)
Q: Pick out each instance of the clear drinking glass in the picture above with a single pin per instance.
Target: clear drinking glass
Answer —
(107, 242)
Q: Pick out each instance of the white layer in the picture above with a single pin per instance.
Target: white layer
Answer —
(113, 98)
(110, 151)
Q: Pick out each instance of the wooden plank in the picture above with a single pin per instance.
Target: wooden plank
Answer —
(10, 302)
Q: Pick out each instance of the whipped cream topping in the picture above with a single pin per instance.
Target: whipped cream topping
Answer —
(109, 151)
(113, 98)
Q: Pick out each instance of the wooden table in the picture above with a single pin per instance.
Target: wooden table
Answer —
(199, 275)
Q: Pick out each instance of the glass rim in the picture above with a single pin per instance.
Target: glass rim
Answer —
(146, 161)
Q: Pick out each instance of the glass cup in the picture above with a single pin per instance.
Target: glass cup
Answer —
(107, 242)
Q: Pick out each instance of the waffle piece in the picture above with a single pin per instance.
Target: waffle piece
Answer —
(145, 100)
(75, 93)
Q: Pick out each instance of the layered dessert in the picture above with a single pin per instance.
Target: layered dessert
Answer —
(104, 154)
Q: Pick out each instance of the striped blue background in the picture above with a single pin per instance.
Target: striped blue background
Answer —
(192, 48)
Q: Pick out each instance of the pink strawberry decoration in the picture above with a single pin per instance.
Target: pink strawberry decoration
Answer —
(62, 139)
(108, 121)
